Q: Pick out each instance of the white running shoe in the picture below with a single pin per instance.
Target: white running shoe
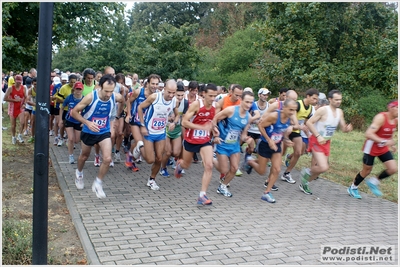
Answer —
(79, 180)
(98, 189)
(112, 163)
(117, 157)
(13, 140)
(20, 139)
(136, 151)
(60, 142)
(152, 184)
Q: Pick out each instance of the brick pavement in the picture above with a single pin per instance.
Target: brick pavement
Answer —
(135, 225)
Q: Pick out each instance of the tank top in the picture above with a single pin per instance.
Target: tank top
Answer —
(276, 130)
(15, 106)
(254, 126)
(195, 136)
(135, 104)
(386, 131)
(99, 112)
(87, 89)
(33, 92)
(227, 102)
(156, 116)
(71, 102)
(303, 113)
(328, 127)
(231, 129)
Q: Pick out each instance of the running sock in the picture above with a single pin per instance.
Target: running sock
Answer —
(98, 180)
(357, 181)
(152, 179)
(383, 175)
(202, 193)
(223, 186)
(116, 151)
(286, 173)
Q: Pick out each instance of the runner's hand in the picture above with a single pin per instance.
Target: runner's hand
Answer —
(93, 126)
(144, 131)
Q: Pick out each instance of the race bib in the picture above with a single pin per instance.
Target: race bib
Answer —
(329, 130)
(276, 137)
(232, 136)
(200, 133)
(158, 123)
(101, 122)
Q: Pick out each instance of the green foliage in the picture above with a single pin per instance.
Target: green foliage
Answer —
(167, 51)
(17, 242)
(349, 46)
(72, 22)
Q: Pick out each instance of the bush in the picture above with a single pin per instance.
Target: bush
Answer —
(371, 105)
(17, 242)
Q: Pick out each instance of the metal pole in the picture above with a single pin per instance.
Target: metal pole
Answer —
(41, 160)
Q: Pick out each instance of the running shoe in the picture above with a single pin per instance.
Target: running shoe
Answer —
(304, 187)
(20, 139)
(288, 178)
(353, 193)
(268, 197)
(139, 160)
(274, 187)
(98, 189)
(128, 160)
(204, 200)
(183, 171)
(13, 140)
(71, 159)
(79, 180)
(60, 142)
(136, 151)
(51, 133)
(117, 157)
(152, 184)
(55, 141)
(238, 173)
(178, 170)
(97, 160)
(164, 172)
(112, 163)
(223, 190)
(170, 161)
(374, 188)
(173, 165)
(26, 132)
(133, 167)
(287, 160)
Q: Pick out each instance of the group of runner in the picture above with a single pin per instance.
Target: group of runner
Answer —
(171, 122)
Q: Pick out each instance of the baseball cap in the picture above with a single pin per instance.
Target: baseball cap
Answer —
(18, 78)
(263, 91)
(128, 81)
(57, 71)
(248, 89)
(185, 83)
(56, 80)
(78, 85)
(64, 77)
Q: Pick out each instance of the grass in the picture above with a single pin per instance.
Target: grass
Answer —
(17, 242)
(346, 161)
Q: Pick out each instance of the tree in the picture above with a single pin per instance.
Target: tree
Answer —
(349, 46)
(167, 51)
(73, 21)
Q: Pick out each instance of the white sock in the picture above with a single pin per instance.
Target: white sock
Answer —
(354, 186)
(202, 193)
(98, 180)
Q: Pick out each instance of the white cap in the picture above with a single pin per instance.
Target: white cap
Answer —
(264, 91)
(128, 81)
(185, 83)
(64, 77)
(248, 89)
(56, 80)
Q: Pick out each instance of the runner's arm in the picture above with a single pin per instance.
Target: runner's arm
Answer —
(145, 104)
(377, 123)
(343, 126)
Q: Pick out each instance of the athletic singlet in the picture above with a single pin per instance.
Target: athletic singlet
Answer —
(276, 130)
(33, 92)
(187, 98)
(328, 127)
(87, 89)
(227, 102)
(55, 90)
(156, 116)
(99, 112)
(15, 107)
(71, 102)
(135, 104)
(303, 113)
(254, 126)
(385, 132)
(195, 136)
(231, 131)
(302, 133)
